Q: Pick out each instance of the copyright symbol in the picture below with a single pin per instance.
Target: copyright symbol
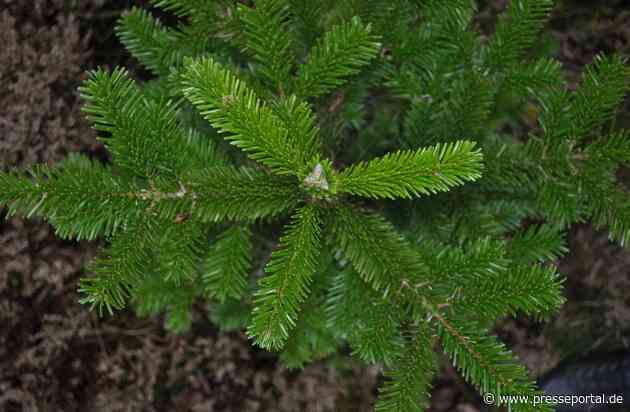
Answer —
(488, 399)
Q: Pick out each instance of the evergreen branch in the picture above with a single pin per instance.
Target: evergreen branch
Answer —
(377, 336)
(182, 8)
(456, 12)
(131, 263)
(537, 244)
(506, 169)
(146, 136)
(269, 40)
(410, 174)
(439, 115)
(604, 85)
(206, 22)
(111, 99)
(420, 120)
(205, 17)
(409, 381)
(612, 148)
(303, 131)
(528, 289)
(342, 301)
(228, 264)
(231, 107)
(552, 118)
(156, 294)
(231, 314)
(307, 16)
(483, 361)
(312, 338)
(341, 53)
(606, 201)
(469, 107)
(202, 152)
(179, 315)
(556, 200)
(463, 111)
(84, 200)
(217, 193)
(119, 270)
(517, 31)
(481, 259)
(493, 218)
(370, 323)
(180, 244)
(240, 194)
(534, 79)
(81, 198)
(383, 258)
(381, 13)
(445, 42)
(288, 276)
(482, 269)
(557, 179)
(149, 41)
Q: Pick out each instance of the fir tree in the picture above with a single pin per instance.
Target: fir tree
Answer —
(374, 148)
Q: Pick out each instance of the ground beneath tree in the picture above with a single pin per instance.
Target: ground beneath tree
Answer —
(57, 356)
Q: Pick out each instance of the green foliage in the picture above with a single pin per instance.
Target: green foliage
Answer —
(341, 53)
(410, 381)
(146, 136)
(517, 31)
(230, 314)
(289, 273)
(537, 244)
(483, 361)
(381, 256)
(368, 322)
(603, 88)
(228, 264)
(82, 198)
(269, 40)
(335, 172)
(156, 295)
(222, 193)
(408, 174)
(232, 107)
(313, 338)
(149, 41)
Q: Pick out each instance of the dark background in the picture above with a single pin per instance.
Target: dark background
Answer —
(55, 355)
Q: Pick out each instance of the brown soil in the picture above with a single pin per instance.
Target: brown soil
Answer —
(55, 355)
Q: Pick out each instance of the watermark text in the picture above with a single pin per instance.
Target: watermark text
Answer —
(590, 399)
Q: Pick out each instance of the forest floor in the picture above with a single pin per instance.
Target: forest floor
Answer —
(55, 355)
